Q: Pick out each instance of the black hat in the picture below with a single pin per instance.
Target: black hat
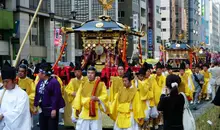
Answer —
(171, 79)
(78, 66)
(46, 68)
(121, 63)
(8, 73)
(129, 74)
(24, 61)
(71, 64)
(7, 64)
(187, 62)
(169, 67)
(146, 66)
(206, 65)
(142, 71)
(159, 66)
(92, 68)
(182, 66)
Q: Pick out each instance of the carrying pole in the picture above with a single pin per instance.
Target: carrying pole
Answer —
(28, 32)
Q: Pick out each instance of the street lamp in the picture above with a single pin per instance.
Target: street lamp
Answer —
(73, 14)
(52, 16)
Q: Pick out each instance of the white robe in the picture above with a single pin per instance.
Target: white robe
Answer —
(15, 109)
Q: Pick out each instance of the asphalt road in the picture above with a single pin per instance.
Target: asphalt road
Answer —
(65, 128)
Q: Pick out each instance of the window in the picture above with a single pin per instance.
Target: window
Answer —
(163, 8)
(158, 24)
(164, 30)
(158, 39)
(121, 14)
(163, 19)
(121, 1)
(158, 9)
(2, 4)
(143, 12)
(37, 32)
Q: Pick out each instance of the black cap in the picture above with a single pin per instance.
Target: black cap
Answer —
(182, 66)
(159, 66)
(121, 63)
(129, 74)
(187, 62)
(169, 67)
(46, 68)
(71, 64)
(78, 66)
(7, 64)
(24, 61)
(142, 71)
(8, 73)
(206, 65)
(92, 68)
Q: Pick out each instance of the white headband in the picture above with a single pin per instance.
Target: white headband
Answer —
(175, 84)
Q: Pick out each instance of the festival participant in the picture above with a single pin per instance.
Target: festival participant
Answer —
(188, 70)
(207, 75)
(116, 81)
(29, 72)
(126, 108)
(186, 86)
(49, 98)
(169, 70)
(91, 98)
(198, 80)
(158, 84)
(15, 110)
(27, 85)
(146, 93)
(71, 90)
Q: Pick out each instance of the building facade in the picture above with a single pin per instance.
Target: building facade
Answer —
(154, 28)
(40, 43)
(214, 25)
(91, 9)
(134, 14)
(194, 22)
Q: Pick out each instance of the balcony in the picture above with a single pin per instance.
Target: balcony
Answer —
(6, 20)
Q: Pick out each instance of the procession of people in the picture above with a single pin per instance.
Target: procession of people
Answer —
(153, 97)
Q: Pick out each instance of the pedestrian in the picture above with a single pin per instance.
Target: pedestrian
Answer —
(49, 98)
(198, 80)
(14, 103)
(215, 77)
(91, 98)
(171, 104)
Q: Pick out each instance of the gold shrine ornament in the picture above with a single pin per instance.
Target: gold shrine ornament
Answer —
(107, 5)
(99, 25)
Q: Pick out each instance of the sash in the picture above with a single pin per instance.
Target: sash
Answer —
(197, 80)
(92, 103)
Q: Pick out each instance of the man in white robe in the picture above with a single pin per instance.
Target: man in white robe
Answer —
(14, 103)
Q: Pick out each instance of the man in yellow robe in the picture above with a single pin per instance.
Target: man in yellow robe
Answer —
(146, 93)
(207, 76)
(188, 70)
(27, 85)
(127, 109)
(158, 84)
(116, 82)
(91, 98)
(70, 93)
(186, 86)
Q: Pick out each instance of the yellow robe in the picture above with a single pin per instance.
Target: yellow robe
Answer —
(146, 92)
(158, 83)
(207, 77)
(28, 85)
(184, 85)
(83, 96)
(127, 101)
(116, 85)
(73, 86)
(189, 72)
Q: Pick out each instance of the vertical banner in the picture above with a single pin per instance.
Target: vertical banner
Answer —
(57, 41)
(135, 25)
